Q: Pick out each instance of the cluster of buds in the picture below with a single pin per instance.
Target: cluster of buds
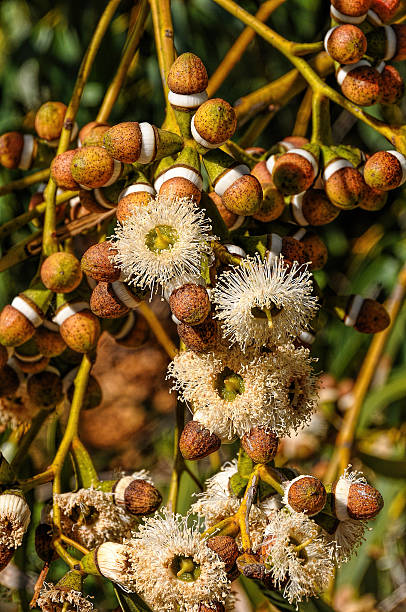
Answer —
(361, 42)
(245, 308)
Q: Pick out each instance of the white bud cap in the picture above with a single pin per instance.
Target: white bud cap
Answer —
(15, 516)
(402, 161)
(111, 560)
(187, 100)
(345, 70)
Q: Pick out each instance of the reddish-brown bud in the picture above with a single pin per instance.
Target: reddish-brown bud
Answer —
(392, 86)
(197, 442)
(272, 205)
(50, 343)
(141, 498)
(345, 187)
(190, 303)
(215, 122)
(226, 548)
(49, 120)
(45, 389)
(244, 196)
(11, 146)
(294, 173)
(385, 170)
(93, 167)
(9, 381)
(91, 134)
(61, 273)
(104, 302)
(81, 331)
(96, 262)
(361, 85)
(306, 494)
(123, 141)
(346, 44)
(15, 328)
(372, 318)
(187, 75)
(61, 170)
(352, 8)
(199, 338)
(43, 543)
(385, 9)
(260, 444)
(180, 187)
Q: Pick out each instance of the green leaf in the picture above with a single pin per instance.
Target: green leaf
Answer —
(313, 605)
(130, 602)
(392, 468)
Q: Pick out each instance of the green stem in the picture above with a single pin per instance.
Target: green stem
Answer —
(125, 62)
(71, 430)
(84, 464)
(395, 134)
(50, 242)
(26, 181)
(321, 132)
(29, 437)
(14, 224)
(178, 464)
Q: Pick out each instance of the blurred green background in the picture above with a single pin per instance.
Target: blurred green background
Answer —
(41, 45)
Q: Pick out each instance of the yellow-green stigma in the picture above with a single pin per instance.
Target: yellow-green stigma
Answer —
(84, 515)
(295, 391)
(184, 568)
(161, 238)
(229, 384)
(266, 313)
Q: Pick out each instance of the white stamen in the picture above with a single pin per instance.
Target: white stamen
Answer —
(270, 162)
(307, 337)
(235, 250)
(374, 18)
(308, 156)
(49, 325)
(300, 234)
(237, 223)
(102, 200)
